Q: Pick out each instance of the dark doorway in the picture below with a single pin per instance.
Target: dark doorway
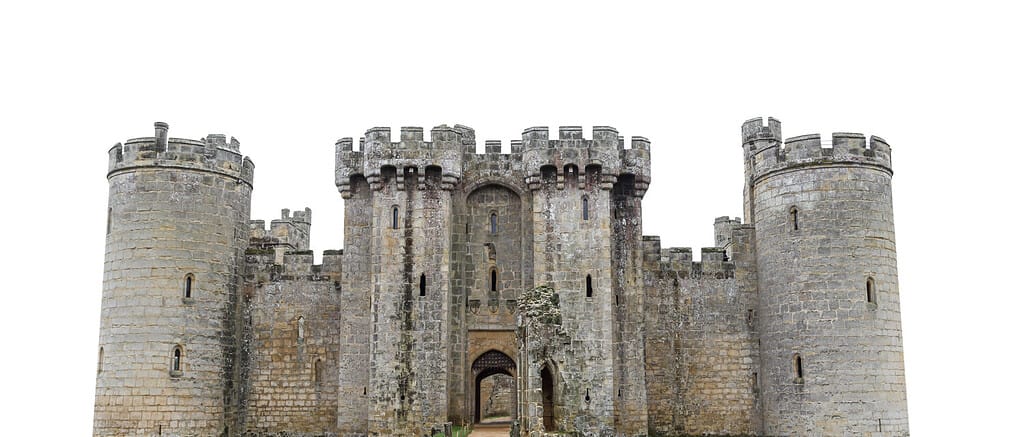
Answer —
(547, 387)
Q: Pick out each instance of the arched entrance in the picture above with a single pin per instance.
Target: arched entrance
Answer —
(488, 364)
(547, 390)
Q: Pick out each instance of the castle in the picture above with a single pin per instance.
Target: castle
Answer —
(529, 268)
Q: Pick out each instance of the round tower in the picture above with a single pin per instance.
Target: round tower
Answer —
(177, 229)
(828, 316)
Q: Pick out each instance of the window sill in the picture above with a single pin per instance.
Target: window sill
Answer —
(188, 300)
(175, 373)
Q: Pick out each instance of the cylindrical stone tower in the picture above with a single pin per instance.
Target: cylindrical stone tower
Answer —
(177, 229)
(828, 316)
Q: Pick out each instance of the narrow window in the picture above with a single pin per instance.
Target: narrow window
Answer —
(871, 292)
(794, 213)
(301, 328)
(394, 218)
(493, 279)
(176, 359)
(586, 208)
(316, 372)
(797, 363)
(589, 286)
(493, 223)
(189, 280)
(110, 212)
(99, 364)
(422, 284)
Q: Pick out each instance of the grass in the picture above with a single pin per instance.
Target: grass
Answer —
(456, 431)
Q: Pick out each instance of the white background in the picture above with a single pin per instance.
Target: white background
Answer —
(940, 83)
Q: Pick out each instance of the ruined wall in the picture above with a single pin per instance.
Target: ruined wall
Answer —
(177, 226)
(831, 347)
(294, 316)
(701, 357)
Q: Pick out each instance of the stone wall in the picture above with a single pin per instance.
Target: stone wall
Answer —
(497, 396)
(294, 315)
(701, 357)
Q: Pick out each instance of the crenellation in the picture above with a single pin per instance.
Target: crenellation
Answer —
(436, 292)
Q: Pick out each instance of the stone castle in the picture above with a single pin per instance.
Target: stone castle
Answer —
(527, 268)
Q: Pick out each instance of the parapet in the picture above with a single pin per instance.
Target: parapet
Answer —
(678, 261)
(215, 154)
(765, 153)
(377, 151)
(603, 155)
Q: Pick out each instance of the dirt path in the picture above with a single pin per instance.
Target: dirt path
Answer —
(491, 430)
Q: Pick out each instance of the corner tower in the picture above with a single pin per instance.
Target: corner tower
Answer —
(177, 229)
(828, 316)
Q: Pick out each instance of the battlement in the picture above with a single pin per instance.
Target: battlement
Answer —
(451, 147)
(678, 261)
(766, 153)
(377, 151)
(215, 154)
(268, 265)
(605, 153)
(290, 233)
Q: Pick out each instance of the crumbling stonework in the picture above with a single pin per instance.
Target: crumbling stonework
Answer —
(515, 283)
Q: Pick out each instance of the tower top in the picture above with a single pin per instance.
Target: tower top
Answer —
(765, 153)
(215, 153)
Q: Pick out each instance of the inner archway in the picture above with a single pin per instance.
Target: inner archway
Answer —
(547, 390)
(493, 364)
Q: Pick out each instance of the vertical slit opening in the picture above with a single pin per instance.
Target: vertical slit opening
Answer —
(422, 284)
(589, 286)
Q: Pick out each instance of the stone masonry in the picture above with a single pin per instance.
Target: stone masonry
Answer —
(214, 324)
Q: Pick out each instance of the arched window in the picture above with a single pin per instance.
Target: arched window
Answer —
(189, 283)
(794, 218)
(394, 217)
(586, 208)
(176, 360)
(317, 368)
(493, 223)
(493, 279)
(797, 367)
(301, 328)
(422, 284)
(871, 292)
(589, 286)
